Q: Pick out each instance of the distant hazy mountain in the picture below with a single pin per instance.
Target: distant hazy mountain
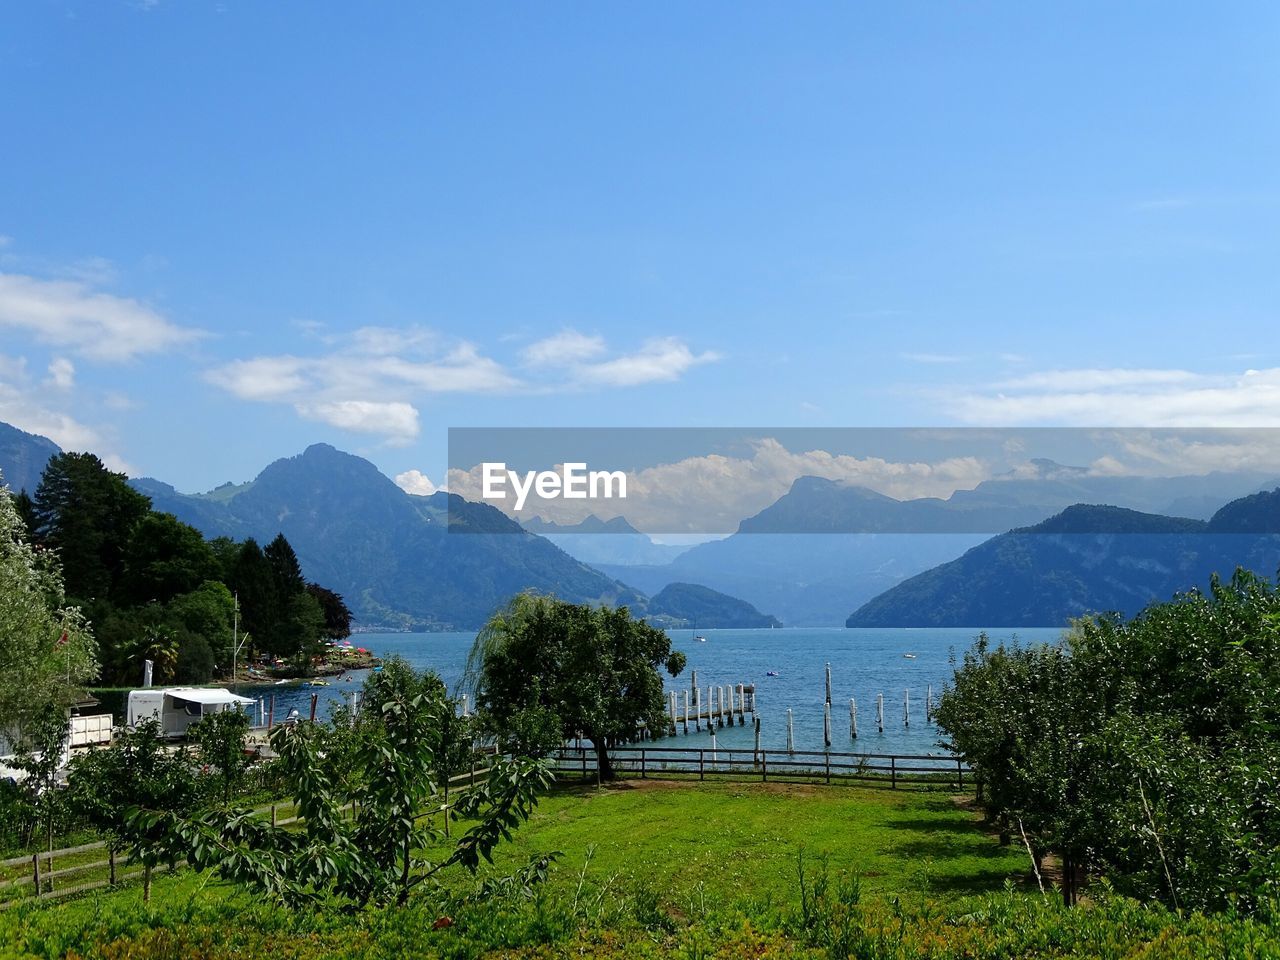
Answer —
(23, 457)
(787, 559)
(1085, 559)
(690, 604)
(597, 541)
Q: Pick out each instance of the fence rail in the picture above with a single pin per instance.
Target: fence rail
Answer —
(895, 770)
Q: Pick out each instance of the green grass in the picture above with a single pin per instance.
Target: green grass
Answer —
(746, 835)
(657, 869)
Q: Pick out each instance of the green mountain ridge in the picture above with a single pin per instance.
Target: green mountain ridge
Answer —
(1086, 559)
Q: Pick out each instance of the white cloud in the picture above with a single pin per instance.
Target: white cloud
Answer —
(262, 378)
(416, 482)
(389, 341)
(70, 314)
(563, 349)
(396, 421)
(658, 360)
(1125, 397)
(34, 407)
(1096, 379)
(62, 373)
(369, 378)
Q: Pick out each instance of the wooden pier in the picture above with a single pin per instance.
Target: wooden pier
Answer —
(711, 708)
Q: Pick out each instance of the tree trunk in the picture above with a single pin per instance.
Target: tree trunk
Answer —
(604, 769)
(146, 884)
(404, 873)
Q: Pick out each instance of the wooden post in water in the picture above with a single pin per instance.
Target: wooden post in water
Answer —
(791, 734)
(315, 698)
(693, 683)
(742, 705)
(828, 683)
(697, 708)
(713, 744)
(466, 709)
(826, 725)
(686, 711)
(906, 708)
(271, 714)
(755, 757)
(853, 718)
(880, 711)
(928, 704)
(673, 713)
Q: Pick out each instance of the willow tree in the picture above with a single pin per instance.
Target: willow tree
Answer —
(545, 671)
(47, 652)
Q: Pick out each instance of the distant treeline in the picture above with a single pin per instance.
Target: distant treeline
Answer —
(154, 589)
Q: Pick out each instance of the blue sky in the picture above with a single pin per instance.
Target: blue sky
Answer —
(233, 229)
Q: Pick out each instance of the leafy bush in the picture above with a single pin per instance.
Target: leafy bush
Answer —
(1148, 749)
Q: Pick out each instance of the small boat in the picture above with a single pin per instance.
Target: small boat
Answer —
(771, 673)
(701, 639)
(316, 683)
(908, 656)
(278, 682)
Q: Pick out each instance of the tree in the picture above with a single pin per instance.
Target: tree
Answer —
(253, 582)
(207, 612)
(47, 652)
(40, 756)
(87, 513)
(219, 740)
(1147, 748)
(337, 616)
(285, 569)
(136, 771)
(368, 856)
(545, 670)
(164, 558)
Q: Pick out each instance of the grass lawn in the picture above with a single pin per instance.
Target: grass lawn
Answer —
(699, 846)
(653, 869)
(744, 836)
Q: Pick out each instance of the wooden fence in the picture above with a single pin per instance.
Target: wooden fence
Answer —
(812, 766)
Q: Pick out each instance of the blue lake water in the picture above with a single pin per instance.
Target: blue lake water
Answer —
(864, 663)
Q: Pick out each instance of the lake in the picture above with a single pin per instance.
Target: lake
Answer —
(864, 663)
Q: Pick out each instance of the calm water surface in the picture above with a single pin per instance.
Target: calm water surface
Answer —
(864, 663)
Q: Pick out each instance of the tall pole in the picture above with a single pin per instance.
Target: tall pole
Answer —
(235, 634)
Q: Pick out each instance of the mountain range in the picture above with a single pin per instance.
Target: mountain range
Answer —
(401, 561)
(801, 559)
(1086, 559)
(439, 562)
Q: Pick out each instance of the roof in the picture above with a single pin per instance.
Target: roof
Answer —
(205, 695)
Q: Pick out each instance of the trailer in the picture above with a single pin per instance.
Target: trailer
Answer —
(177, 708)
